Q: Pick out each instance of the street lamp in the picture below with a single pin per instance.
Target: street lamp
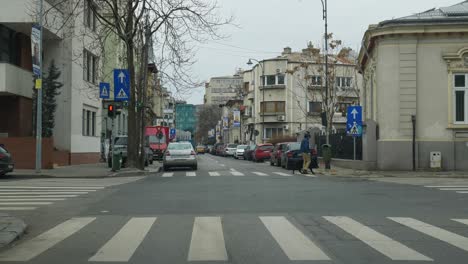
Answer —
(263, 95)
(325, 18)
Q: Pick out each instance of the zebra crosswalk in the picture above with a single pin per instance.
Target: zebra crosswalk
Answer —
(209, 238)
(231, 172)
(461, 189)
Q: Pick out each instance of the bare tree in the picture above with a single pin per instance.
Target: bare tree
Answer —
(208, 118)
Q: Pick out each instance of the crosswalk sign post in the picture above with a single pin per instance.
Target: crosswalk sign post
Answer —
(121, 85)
(354, 124)
(104, 90)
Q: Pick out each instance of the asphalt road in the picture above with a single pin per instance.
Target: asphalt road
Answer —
(235, 211)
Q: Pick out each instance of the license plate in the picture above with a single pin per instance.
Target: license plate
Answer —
(10, 166)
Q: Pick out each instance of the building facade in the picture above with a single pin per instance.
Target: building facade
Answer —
(222, 89)
(415, 72)
(186, 119)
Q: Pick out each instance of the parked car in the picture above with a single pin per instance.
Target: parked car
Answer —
(6, 162)
(292, 157)
(180, 154)
(200, 149)
(230, 150)
(240, 151)
(262, 152)
(248, 151)
(220, 150)
(277, 152)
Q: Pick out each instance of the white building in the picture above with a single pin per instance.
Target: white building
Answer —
(222, 89)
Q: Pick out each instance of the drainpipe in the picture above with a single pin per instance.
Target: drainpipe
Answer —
(413, 121)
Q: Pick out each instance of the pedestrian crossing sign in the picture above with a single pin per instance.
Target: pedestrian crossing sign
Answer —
(104, 90)
(122, 95)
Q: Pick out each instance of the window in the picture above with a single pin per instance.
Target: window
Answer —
(273, 132)
(343, 82)
(315, 107)
(316, 80)
(278, 79)
(273, 107)
(89, 16)
(90, 65)
(461, 98)
(89, 122)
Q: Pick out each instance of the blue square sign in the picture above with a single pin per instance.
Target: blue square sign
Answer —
(121, 85)
(104, 90)
(354, 121)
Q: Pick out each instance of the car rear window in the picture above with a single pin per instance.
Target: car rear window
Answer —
(232, 146)
(294, 146)
(242, 147)
(266, 147)
(121, 141)
(2, 150)
(179, 146)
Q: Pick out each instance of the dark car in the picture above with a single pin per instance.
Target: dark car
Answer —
(262, 152)
(292, 157)
(277, 153)
(6, 162)
(120, 146)
(220, 150)
(248, 152)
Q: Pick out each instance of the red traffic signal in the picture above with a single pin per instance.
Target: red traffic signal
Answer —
(110, 111)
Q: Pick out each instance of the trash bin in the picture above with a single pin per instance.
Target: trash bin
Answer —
(116, 161)
(327, 155)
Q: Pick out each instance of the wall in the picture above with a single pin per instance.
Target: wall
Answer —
(23, 151)
(16, 116)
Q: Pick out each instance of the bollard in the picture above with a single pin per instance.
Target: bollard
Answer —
(116, 161)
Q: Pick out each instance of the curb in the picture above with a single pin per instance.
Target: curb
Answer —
(12, 228)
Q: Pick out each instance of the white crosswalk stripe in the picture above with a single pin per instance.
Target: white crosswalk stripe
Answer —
(207, 242)
(17, 208)
(260, 173)
(461, 189)
(292, 241)
(237, 173)
(191, 174)
(433, 231)
(282, 174)
(214, 173)
(463, 221)
(168, 174)
(385, 245)
(32, 248)
(122, 246)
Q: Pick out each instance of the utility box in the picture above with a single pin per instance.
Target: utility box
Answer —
(436, 160)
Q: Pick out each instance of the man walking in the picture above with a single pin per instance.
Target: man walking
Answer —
(305, 150)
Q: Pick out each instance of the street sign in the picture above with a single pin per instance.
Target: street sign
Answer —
(354, 121)
(172, 133)
(121, 85)
(104, 90)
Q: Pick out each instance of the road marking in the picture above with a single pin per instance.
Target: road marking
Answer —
(190, 174)
(30, 199)
(236, 173)
(463, 221)
(8, 191)
(34, 247)
(383, 244)
(282, 174)
(50, 187)
(260, 173)
(207, 242)
(38, 196)
(25, 203)
(453, 189)
(433, 231)
(222, 165)
(292, 241)
(446, 186)
(213, 173)
(168, 174)
(122, 245)
(17, 209)
(463, 192)
(23, 193)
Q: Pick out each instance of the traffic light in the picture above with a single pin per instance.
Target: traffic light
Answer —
(110, 111)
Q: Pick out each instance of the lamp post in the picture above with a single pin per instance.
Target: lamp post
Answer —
(38, 164)
(325, 18)
(263, 95)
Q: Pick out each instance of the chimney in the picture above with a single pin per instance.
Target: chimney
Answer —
(286, 51)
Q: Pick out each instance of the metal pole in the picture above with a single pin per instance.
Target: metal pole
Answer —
(39, 97)
(263, 100)
(354, 148)
(325, 16)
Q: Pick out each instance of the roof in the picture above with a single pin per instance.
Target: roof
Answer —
(454, 13)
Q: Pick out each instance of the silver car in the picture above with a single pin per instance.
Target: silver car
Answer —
(180, 154)
(240, 151)
(231, 149)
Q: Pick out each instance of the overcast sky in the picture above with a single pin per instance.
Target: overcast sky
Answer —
(265, 27)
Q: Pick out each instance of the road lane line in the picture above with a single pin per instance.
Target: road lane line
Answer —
(433, 231)
(292, 241)
(446, 186)
(50, 187)
(30, 199)
(282, 174)
(23, 193)
(25, 203)
(207, 243)
(463, 221)
(122, 245)
(8, 191)
(34, 247)
(17, 208)
(214, 174)
(37, 196)
(383, 244)
(260, 173)
(463, 192)
(453, 189)
(190, 174)
(168, 174)
(236, 173)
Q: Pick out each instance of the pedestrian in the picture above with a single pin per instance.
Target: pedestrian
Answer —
(305, 150)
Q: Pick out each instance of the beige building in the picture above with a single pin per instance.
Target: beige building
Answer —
(416, 68)
(281, 98)
(222, 89)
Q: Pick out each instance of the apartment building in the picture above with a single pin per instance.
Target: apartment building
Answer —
(219, 90)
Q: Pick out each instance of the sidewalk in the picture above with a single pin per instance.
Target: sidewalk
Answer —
(343, 172)
(11, 228)
(98, 170)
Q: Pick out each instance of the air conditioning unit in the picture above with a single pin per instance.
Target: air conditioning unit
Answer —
(248, 112)
(286, 127)
(281, 118)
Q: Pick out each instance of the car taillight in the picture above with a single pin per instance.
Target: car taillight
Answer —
(290, 154)
(2, 155)
(193, 153)
(168, 153)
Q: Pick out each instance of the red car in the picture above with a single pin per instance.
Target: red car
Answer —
(262, 152)
(277, 153)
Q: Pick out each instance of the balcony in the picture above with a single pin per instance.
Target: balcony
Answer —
(19, 15)
(251, 96)
(15, 81)
(270, 87)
